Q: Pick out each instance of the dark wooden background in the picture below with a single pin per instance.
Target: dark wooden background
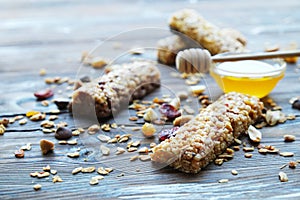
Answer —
(53, 34)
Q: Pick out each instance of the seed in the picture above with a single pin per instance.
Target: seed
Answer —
(38, 117)
(63, 142)
(283, 177)
(248, 155)
(103, 138)
(234, 172)
(108, 169)
(105, 127)
(63, 133)
(254, 134)
(43, 174)
(286, 154)
(56, 178)
(94, 181)
(23, 121)
(292, 164)
(52, 171)
(37, 187)
(47, 168)
(143, 150)
(46, 146)
(136, 143)
(145, 157)
(289, 138)
(223, 181)
(133, 158)
(120, 150)
(88, 169)
(102, 171)
(123, 139)
(73, 155)
(19, 153)
(105, 150)
(133, 118)
(44, 94)
(47, 124)
(72, 142)
(181, 120)
(131, 149)
(219, 161)
(248, 149)
(75, 133)
(198, 89)
(76, 170)
(26, 147)
(93, 129)
(148, 130)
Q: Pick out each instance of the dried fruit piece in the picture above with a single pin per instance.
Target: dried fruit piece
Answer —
(38, 117)
(148, 130)
(44, 94)
(283, 177)
(169, 111)
(46, 146)
(289, 138)
(19, 153)
(63, 133)
(248, 149)
(254, 134)
(167, 133)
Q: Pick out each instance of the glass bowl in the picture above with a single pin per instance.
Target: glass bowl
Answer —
(256, 78)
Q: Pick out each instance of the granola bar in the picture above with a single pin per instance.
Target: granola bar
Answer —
(116, 89)
(201, 140)
(209, 36)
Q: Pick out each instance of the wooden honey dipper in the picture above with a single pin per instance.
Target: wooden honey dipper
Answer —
(199, 60)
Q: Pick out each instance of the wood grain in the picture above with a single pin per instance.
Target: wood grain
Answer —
(53, 34)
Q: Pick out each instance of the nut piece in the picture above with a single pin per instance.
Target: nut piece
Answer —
(94, 181)
(289, 138)
(248, 155)
(234, 172)
(150, 115)
(223, 181)
(56, 178)
(292, 164)
(76, 170)
(148, 130)
(88, 169)
(286, 154)
(283, 177)
(2, 129)
(254, 134)
(46, 146)
(179, 121)
(93, 129)
(273, 117)
(73, 155)
(198, 89)
(103, 138)
(37, 187)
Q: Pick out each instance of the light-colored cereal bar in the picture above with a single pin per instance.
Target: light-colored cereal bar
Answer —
(116, 89)
(201, 140)
(209, 36)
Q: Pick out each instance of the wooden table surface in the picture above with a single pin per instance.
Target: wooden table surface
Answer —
(53, 34)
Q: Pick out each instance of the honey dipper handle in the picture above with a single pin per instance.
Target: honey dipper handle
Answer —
(256, 56)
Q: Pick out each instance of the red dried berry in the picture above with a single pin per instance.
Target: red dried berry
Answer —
(44, 94)
(165, 134)
(169, 111)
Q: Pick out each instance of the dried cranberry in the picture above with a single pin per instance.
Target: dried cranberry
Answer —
(44, 94)
(165, 134)
(169, 111)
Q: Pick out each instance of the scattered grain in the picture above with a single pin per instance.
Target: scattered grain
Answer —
(37, 187)
(73, 155)
(105, 150)
(248, 149)
(88, 169)
(254, 134)
(102, 171)
(93, 129)
(145, 157)
(248, 155)
(76, 170)
(283, 177)
(56, 178)
(223, 181)
(289, 138)
(234, 172)
(286, 154)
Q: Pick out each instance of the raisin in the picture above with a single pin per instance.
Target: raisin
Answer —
(165, 134)
(169, 111)
(63, 133)
(296, 104)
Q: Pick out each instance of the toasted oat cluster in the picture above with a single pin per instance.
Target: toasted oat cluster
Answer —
(201, 140)
(114, 90)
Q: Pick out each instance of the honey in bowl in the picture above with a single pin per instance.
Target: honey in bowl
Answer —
(257, 78)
